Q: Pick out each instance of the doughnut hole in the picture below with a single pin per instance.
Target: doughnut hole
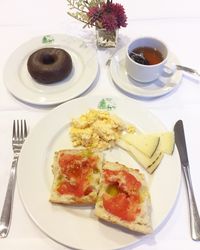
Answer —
(48, 59)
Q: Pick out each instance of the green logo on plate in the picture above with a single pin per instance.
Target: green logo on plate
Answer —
(48, 39)
(107, 103)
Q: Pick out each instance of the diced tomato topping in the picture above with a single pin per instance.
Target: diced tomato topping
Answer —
(125, 202)
(126, 181)
(121, 206)
(117, 205)
(67, 188)
(76, 168)
(88, 190)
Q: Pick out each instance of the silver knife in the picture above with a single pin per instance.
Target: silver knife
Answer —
(181, 145)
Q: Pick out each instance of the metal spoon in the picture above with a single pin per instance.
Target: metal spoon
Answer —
(188, 70)
(141, 59)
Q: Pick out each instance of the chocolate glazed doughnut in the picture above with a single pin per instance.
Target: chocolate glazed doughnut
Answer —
(49, 65)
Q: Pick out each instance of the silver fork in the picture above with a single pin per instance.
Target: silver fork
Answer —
(18, 137)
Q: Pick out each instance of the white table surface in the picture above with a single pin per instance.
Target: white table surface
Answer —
(175, 22)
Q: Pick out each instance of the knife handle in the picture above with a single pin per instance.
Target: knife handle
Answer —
(194, 215)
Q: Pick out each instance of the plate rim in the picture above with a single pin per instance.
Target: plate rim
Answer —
(61, 108)
(25, 97)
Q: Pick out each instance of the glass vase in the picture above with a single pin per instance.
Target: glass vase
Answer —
(106, 39)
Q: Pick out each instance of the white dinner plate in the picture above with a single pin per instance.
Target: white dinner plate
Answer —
(77, 227)
(24, 87)
(165, 84)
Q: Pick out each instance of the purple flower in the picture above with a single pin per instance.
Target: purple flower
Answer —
(109, 15)
(109, 22)
(120, 15)
(93, 11)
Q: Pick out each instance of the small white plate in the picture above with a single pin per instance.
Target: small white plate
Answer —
(77, 226)
(162, 86)
(24, 87)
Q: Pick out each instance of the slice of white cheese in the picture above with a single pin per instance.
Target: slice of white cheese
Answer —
(149, 163)
(167, 142)
(154, 165)
(146, 143)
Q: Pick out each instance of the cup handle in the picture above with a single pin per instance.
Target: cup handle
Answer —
(169, 68)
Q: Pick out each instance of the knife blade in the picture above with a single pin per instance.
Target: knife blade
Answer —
(182, 149)
(181, 143)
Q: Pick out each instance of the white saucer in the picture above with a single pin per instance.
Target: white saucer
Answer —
(24, 87)
(157, 88)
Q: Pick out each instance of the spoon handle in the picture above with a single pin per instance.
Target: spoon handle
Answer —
(186, 69)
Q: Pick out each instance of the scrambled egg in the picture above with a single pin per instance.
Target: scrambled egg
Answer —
(97, 129)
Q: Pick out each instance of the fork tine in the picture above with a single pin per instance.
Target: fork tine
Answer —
(21, 129)
(14, 129)
(18, 131)
(25, 129)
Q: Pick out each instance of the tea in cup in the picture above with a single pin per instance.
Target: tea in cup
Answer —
(152, 59)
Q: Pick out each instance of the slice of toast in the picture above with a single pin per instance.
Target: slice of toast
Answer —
(124, 198)
(76, 176)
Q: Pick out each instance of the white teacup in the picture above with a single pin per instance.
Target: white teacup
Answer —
(146, 73)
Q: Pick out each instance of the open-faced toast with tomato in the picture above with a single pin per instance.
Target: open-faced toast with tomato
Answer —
(76, 176)
(124, 198)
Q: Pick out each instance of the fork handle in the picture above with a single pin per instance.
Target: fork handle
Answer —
(8, 203)
(194, 215)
